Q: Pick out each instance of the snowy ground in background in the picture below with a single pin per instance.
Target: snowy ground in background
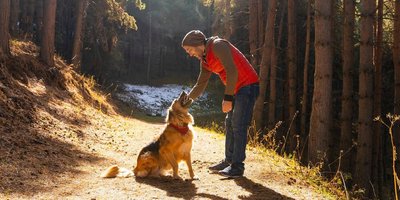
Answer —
(154, 101)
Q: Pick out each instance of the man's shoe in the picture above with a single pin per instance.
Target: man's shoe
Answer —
(230, 172)
(219, 166)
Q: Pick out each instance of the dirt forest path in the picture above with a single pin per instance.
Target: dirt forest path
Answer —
(117, 140)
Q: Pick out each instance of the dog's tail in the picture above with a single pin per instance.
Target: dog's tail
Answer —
(115, 171)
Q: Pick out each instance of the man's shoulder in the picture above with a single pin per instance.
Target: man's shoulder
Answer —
(219, 41)
(220, 44)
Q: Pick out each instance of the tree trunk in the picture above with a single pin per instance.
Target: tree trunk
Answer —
(265, 65)
(47, 43)
(364, 145)
(377, 174)
(39, 20)
(77, 46)
(4, 28)
(304, 101)
(272, 85)
(274, 68)
(261, 27)
(396, 66)
(396, 63)
(305, 96)
(292, 71)
(149, 52)
(320, 121)
(14, 17)
(253, 31)
(346, 139)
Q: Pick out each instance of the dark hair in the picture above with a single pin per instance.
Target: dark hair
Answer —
(194, 38)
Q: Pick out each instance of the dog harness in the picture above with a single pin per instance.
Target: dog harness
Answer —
(182, 129)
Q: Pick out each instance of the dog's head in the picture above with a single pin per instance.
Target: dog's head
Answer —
(183, 102)
(178, 112)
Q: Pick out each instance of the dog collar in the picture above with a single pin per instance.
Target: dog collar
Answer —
(182, 129)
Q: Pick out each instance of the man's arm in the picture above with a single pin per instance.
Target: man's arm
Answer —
(201, 83)
(223, 51)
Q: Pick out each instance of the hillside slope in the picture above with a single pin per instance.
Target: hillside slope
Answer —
(57, 134)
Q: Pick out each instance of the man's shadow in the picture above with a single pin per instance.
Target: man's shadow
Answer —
(174, 187)
(258, 191)
(184, 189)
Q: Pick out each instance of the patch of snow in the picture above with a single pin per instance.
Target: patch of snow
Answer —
(154, 101)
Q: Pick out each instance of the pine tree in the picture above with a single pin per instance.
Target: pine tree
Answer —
(47, 43)
(362, 174)
(4, 26)
(321, 119)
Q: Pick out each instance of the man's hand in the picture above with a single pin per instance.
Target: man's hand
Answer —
(226, 106)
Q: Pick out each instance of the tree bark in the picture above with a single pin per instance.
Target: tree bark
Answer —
(47, 43)
(274, 68)
(346, 138)
(377, 166)
(265, 65)
(304, 101)
(396, 63)
(77, 46)
(39, 20)
(253, 31)
(362, 174)
(320, 121)
(4, 28)
(292, 71)
(396, 66)
(261, 27)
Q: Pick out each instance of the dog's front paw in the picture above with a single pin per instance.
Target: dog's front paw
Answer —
(193, 178)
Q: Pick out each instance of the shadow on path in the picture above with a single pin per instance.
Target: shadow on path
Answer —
(188, 190)
(31, 162)
(258, 191)
(174, 188)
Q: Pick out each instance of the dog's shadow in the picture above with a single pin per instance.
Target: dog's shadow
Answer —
(174, 187)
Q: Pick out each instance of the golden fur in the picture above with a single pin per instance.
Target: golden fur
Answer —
(171, 147)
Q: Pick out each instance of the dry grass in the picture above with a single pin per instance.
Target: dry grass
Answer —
(42, 114)
(310, 175)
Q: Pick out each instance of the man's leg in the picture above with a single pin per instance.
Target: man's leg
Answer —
(228, 146)
(229, 138)
(241, 118)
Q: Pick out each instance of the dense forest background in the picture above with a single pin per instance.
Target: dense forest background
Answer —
(327, 68)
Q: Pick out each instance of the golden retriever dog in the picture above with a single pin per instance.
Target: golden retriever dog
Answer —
(171, 147)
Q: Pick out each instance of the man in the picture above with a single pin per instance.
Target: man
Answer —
(241, 90)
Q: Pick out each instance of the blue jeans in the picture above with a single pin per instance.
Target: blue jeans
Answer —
(237, 122)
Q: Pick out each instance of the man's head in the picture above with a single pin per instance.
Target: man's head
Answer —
(194, 38)
(193, 43)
